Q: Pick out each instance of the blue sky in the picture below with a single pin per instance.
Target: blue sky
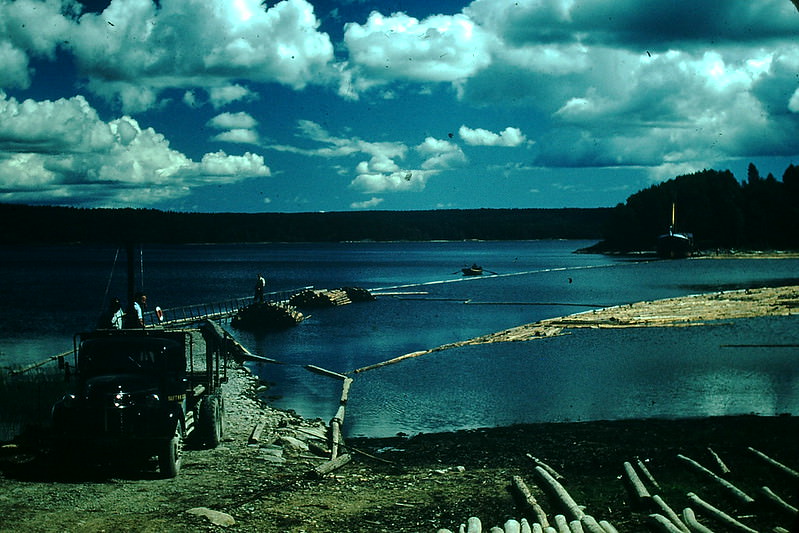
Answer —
(208, 105)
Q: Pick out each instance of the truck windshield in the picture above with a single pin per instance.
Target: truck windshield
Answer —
(106, 356)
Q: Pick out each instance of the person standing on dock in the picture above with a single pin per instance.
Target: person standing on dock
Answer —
(135, 315)
(260, 284)
(112, 317)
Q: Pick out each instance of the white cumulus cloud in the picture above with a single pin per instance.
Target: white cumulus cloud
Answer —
(440, 48)
(135, 48)
(54, 150)
(509, 137)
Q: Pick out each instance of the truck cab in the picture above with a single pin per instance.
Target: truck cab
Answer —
(141, 392)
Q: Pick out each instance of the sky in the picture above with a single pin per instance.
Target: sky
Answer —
(309, 105)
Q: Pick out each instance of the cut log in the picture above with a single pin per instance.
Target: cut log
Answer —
(575, 526)
(332, 465)
(647, 474)
(557, 490)
(720, 515)
(562, 524)
(637, 487)
(535, 511)
(255, 436)
(345, 390)
(552, 472)
(608, 527)
(732, 490)
(723, 468)
(324, 372)
(790, 471)
(662, 524)
(771, 497)
(473, 525)
(590, 525)
(336, 440)
(690, 518)
(669, 513)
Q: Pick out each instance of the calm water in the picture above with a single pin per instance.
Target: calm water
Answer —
(51, 292)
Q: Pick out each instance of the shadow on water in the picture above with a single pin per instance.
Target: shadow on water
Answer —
(747, 284)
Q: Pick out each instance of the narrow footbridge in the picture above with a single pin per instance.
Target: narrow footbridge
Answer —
(188, 314)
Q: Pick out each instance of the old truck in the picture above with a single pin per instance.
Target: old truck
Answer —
(142, 393)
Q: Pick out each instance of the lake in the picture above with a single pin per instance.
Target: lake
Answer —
(50, 292)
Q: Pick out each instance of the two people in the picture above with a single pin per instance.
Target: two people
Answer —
(115, 318)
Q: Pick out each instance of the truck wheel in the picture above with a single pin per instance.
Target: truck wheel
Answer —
(171, 454)
(211, 421)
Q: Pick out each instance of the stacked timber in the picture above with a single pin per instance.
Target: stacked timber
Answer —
(266, 317)
(310, 298)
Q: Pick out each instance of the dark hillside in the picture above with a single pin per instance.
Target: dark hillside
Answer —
(720, 211)
(36, 224)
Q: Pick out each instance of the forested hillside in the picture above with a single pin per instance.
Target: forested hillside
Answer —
(721, 212)
(35, 224)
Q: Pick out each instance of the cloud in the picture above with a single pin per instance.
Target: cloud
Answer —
(399, 181)
(440, 154)
(53, 151)
(793, 103)
(367, 204)
(237, 136)
(509, 137)
(222, 96)
(624, 86)
(440, 48)
(28, 29)
(135, 48)
(385, 170)
(240, 128)
(227, 121)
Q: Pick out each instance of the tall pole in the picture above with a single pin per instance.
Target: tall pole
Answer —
(131, 274)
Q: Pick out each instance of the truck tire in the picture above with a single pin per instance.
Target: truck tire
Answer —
(211, 421)
(170, 455)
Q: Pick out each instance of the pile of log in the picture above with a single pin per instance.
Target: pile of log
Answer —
(571, 517)
(738, 511)
(266, 317)
(310, 298)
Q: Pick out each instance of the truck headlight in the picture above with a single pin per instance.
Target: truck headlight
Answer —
(151, 400)
(122, 399)
(68, 400)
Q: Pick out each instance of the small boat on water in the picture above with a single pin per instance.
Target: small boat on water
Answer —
(473, 270)
(675, 245)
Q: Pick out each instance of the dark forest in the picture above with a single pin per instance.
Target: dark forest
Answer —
(722, 213)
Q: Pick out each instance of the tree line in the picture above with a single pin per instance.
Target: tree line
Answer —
(721, 212)
(49, 224)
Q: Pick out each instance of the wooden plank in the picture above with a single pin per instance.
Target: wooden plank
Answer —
(332, 465)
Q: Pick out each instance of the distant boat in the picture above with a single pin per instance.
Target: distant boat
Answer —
(674, 245)
(473, 270)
